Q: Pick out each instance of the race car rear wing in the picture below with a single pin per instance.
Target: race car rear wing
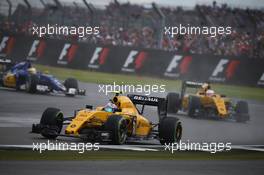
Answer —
(193, 84)
(5, 61)
(149, 101)
(5, 64)
(189, 84)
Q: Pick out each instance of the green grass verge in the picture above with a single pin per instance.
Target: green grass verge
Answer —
(128, 155)
(252, 93)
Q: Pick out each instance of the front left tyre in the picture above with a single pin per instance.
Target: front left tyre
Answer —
(117, 125)
(52, 122)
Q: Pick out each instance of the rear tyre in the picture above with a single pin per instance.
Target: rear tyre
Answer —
(31, 83)
(52, 119)
(170, 130)
(193, 106)
(18, 79)
(173, 102)
(117, 125)
(242, 114)
(71, 83)
(162, 109)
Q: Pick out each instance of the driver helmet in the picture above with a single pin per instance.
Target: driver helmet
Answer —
(210, 92)
(110, 107)
(32, 70)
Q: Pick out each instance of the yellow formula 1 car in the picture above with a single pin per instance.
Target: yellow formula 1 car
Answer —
(118, 121)
(204, 102)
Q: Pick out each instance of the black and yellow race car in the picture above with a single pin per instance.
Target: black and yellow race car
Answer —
(118, 121)
(203, 102)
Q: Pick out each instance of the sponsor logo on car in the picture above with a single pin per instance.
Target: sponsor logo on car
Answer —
(145, 98)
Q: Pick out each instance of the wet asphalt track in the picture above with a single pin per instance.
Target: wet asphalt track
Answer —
(18, 110)
(182, 167)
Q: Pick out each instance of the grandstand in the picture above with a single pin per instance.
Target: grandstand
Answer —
(135, 25)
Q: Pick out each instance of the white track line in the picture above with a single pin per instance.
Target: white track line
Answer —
(114, 147)
(247, 147)
(138, 147)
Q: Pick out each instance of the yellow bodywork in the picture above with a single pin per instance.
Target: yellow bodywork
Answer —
(96, 118)
(9, 80)
(215, 101)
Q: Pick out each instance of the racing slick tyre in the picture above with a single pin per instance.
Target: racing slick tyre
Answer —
(170, 130)
(241, 109)
(193, 106)
(1, 80)
(71, 83)
(162, 108)
(52, 121)
(31, 83)
(18, 79)
(173, 102)
(117, 125)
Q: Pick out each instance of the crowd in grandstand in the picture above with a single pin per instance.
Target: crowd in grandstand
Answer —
(134, 25)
